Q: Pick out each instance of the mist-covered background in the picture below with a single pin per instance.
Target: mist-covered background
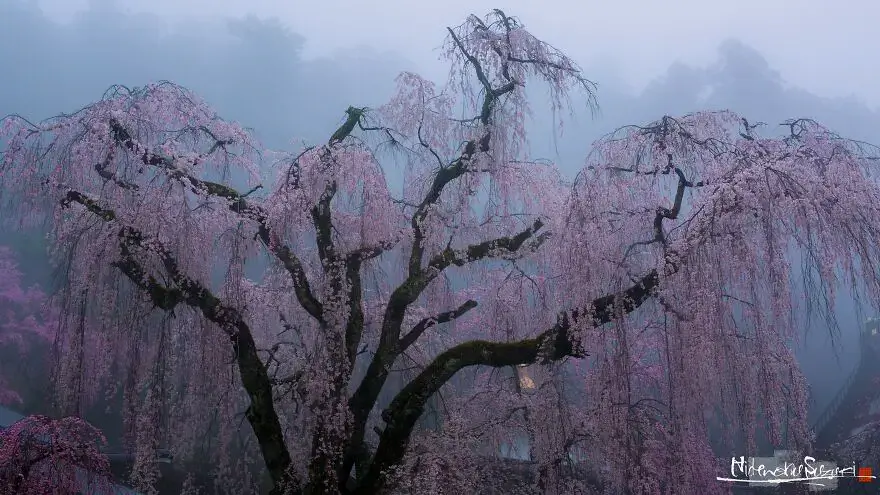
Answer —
(268, 74)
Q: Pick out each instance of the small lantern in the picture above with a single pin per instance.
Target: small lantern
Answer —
(525, 381)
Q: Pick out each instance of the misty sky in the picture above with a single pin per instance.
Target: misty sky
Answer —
(824, 47)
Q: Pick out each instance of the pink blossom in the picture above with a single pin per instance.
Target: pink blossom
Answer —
(378, 336)
(40, 455)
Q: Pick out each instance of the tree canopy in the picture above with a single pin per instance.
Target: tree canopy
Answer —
(26, 321)
(650, 299)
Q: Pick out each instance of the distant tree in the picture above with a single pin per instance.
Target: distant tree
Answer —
(40, 455)
(657, 283)
(27, 322)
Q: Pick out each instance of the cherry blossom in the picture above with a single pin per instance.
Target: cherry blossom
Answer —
(649, 301)
(41, 455)
(26, 318)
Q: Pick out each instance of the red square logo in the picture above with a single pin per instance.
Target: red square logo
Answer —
(865, 475)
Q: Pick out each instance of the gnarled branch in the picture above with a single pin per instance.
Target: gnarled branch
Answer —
(551, 345)
(261, 411)
(238, 204)
(364, 398)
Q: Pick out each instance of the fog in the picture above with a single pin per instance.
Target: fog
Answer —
(291, 77)
(814, 44)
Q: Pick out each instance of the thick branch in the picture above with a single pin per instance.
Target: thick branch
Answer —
(672, 213)
(370, 252)
(443, 177)
(322, 220)
(355, 326)
(323, 223)
(478, 68)
(494, 248)
(261, 411)
(457, 167)
(387, 351)
(553, 344)
(353, 118)
(389, 347)
(90, 204)
(460, 165)
(107, 175)
(322, 213)
(238, 204)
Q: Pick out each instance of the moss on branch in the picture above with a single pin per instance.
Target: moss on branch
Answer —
(554, 344)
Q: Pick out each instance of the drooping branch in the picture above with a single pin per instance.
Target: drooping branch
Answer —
(261, 411)
(551, 345)
(501, 43)
(478, 67)
(323, 222)
(662, 213)
(45, 455)
(491, 93)
(459, 166)
(389, 348)
(408, 292)
(367, 393)
(148, 157)
(238, 204)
